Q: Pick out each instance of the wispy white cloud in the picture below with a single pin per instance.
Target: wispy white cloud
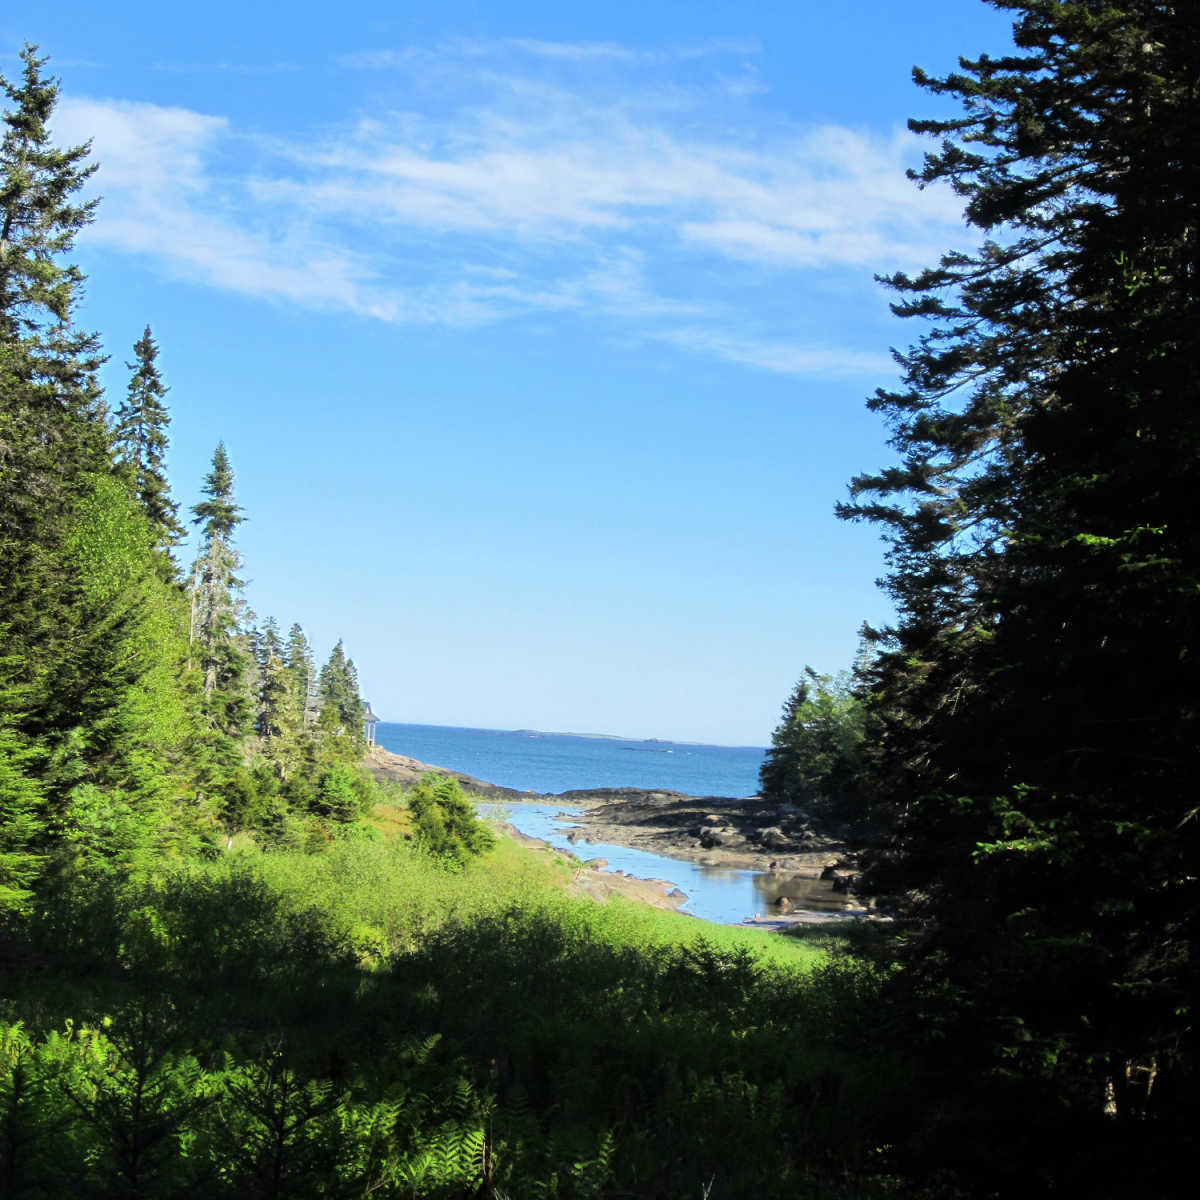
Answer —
(497, 194)
(784, 358)
(574, 53)
(167, 196)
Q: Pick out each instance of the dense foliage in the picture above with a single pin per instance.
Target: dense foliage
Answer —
(1021, 753)
(815, 754)
(136, 717)
(361, 1022)
(444, 820)
(1036, 742)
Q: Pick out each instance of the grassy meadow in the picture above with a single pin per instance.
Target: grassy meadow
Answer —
(374, 1020)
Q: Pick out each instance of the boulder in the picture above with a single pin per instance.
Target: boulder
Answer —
(773, 838)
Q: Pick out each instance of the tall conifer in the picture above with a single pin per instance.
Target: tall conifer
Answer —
(1038, 739)
(297, 656)
(140, 435)
(217, 607)
(338, 687)
(49, 398)
(71, 654)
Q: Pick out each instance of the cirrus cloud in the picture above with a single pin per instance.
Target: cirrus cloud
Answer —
(496, 193)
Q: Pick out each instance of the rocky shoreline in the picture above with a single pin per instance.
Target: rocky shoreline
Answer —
(801, 859)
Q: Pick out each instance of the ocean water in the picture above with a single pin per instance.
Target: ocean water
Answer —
(721, 894)
(558, 762)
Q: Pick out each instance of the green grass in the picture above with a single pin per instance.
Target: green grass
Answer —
(436, 1030)
(391, 897)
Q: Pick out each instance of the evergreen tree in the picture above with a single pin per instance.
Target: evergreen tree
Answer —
(216, 628)
(49, 398)
(73, 610)
(281, 713)
(338, 688)
(280, 704)
(21, 811)
(268, 644)
(1036, 704)
(814, 754)
(216, 602)
(121, 686)
(50, 433)
(297, 657)
(445, 822)
(40, 223)
(218, 516)
(140, 435)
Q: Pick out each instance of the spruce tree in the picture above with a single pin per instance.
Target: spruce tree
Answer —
(140, 436)
(297, 656)
(281, 714)
(73, 611)
(21, 808)
(216, 621)
(1037, 730)
(51, 431)
(218, 516)
(338, 689)
(280, 719)
(814, 753)
(49, 399)
(268, 643)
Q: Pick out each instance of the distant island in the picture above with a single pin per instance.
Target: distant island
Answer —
(602, 737)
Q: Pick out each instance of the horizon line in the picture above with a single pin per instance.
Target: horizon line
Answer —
(612, 737)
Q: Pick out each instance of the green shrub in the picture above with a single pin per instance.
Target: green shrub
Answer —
(344, 794)
(445, 822)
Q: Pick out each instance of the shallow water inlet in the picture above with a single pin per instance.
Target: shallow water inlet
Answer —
(724, 895)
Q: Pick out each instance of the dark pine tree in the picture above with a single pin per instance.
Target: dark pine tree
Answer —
(140, 436)
(1037, 725)
(814, 753)
(338, 689)
(297, 657)
(50, 406)
(268, 644)
(216, 635)
(70, 651)
(218, 516)
(216, 602)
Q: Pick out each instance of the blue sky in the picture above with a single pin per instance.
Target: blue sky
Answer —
(539, 335)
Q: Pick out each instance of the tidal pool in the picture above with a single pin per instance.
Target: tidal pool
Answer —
(719, 894)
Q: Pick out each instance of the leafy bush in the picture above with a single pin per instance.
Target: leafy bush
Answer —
(344, 794)
(445, 821)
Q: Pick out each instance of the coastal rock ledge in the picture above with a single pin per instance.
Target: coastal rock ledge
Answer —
(720, 831)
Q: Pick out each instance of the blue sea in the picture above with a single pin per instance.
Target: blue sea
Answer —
(531, 761)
